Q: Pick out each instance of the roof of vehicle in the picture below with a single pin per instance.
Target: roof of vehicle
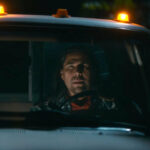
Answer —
(70, 21)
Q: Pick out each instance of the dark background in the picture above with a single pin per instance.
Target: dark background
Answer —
(139, 10)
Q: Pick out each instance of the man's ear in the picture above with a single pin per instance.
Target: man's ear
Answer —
(62, 74)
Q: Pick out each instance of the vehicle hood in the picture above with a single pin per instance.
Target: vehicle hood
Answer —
(71, 139)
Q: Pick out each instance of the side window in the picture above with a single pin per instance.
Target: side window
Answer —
(14, 71)
(143, 60)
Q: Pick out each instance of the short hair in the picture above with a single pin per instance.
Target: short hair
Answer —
(81, 49)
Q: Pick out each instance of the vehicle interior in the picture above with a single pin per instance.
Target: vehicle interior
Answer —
(29, 67)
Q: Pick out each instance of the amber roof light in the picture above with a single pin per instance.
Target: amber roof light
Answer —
(2, 10)
(61, 13)
(124, 17)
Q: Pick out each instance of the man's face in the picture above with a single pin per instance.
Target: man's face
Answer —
(76, 73)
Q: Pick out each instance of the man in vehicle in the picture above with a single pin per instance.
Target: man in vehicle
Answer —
(77, 89)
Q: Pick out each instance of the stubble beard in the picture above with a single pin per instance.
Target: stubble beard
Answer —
(78, 89)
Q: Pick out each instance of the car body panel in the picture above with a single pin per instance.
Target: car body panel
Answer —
(70, 139)
(70, 21)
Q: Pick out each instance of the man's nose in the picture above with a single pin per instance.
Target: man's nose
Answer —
(80, 68)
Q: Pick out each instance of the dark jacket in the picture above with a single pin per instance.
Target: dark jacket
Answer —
(99, 105)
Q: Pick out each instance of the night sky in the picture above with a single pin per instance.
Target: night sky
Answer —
(41, 7)
(49, 7)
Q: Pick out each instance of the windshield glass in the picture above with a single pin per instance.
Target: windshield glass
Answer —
(106, 77)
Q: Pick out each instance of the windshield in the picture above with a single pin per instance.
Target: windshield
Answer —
(108, 77)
